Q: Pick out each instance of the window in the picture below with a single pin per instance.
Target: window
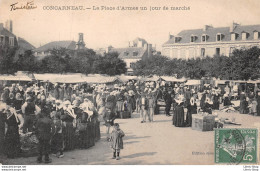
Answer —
(244, 35)
(11, 41)
(234, 36)
(219, 37)
(126, 53)
(203, 52)
(204, 38)
(193, 38)
(256, 35)
(135, 53)
(177, 39)
(218, 51)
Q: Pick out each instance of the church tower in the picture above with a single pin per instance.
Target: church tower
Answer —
(81, 44)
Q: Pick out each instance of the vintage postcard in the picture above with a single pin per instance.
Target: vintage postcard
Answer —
(129, 82)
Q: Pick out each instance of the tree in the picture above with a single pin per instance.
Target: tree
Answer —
(244, 64)
(27, 62)
(156, 64)
(53, 63)
(83, 60)
(110, 64)
(7, 64)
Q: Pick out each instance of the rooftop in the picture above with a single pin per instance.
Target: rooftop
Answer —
(56, 45)
(211, 32)
(128, 53)
(4, 31)
(24, 44)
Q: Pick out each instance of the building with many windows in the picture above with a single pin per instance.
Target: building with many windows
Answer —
(211, 41)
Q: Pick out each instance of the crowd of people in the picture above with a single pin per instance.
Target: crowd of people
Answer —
(69, 115)
(59, 122)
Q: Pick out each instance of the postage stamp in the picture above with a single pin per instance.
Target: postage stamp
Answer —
(235, 146)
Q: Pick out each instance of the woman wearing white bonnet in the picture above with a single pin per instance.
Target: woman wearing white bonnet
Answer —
(69, 122)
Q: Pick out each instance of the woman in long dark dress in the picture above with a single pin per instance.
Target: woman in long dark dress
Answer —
(91, 132)
(243, 103)
(191, 109)
(202, 100)
(178, 117)
(12, 138)
(83, 133)
(68, 129)
(78, 112)
(215, 101)
(96, 125)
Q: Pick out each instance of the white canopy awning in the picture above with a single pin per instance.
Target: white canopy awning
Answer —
(15, 78)
(193, 82)
(172, 79)
(126, 78)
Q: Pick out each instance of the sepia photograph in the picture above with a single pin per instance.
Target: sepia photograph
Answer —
(129, 82)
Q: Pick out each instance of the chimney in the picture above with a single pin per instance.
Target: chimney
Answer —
(1, 26)
(206, 27)
(108, 49)
(9, 25)
(233, 26)
(170, 36)
(131, 44)
(145, 46)
(140, 43)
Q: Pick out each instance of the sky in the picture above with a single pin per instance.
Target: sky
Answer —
(102, 28)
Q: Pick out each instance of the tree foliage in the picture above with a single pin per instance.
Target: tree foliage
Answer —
(7, 63)
(110, 64)
(60, 61)
(243, 64)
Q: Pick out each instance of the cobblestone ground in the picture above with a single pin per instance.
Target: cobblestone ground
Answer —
(150, 143)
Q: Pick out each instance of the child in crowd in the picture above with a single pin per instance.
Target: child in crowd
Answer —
(116, 141)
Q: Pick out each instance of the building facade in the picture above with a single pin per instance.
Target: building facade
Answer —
(137, 49)
(7, 38)
(211, 41)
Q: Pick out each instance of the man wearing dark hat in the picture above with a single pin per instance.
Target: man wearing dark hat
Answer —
(168, 102)
(44, 132)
